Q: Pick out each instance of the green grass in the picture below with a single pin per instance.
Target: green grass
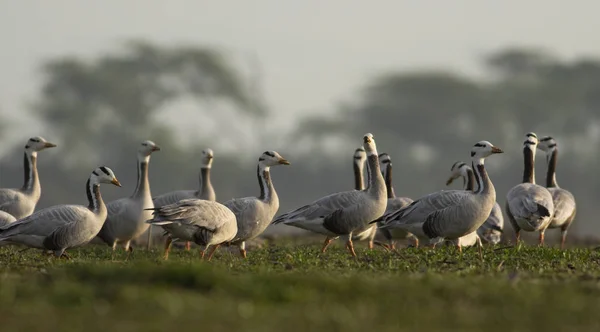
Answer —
(293, 287)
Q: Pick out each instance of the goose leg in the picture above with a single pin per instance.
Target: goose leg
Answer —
(350, 246)
(114, 249)
(480, 248)
(188, 245)
(326, 244)
(541, 238)
(203, 251)
(168, 243)
(148, 243)
(243, 249)
(563, 237)
(212, 251)
(372, 237)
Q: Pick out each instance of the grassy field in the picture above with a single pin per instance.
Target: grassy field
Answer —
(292, 287)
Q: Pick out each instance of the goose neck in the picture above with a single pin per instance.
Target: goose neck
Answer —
(552, 159)
(95, 202)
(31, 183)
(358, 175)
(375, 179)
(529, 165)
(142, 186)
(485, 184)
(387, 174)
(469, 180)
(206, 188)
(267, 191)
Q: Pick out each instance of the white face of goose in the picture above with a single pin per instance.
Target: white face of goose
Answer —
(38, 143)
(384, 160)
(531, 141)
(458, 169)
(272, 158)
(369, 144)
(482, 150)
(547, 144)
(207, 158)
(104, 174)
(146, 148)
(359, 155)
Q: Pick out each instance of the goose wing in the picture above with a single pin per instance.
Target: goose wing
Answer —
(172, 197)
(564, 205)
(192, 212)
(526, 200)
(45, 221)
(438, 203)
(397, 203)
(322, 207)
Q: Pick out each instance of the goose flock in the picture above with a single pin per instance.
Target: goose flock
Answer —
(370, 212)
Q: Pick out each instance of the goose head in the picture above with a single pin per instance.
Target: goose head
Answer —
(104, 174)
(37, 143)
(207, 158)
(271, 158)
(384, 160)
(360, 156)
(146, 148)
(547, 144)
(482, 150)
(531, 141)
(369, 144)
(493, 235)
(457, 170)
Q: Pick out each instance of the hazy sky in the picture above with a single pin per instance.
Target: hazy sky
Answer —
(314, 53)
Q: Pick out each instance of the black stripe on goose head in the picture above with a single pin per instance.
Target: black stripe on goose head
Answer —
(547, 138)
(104, 170)
(530, 134)
(269, 153)
(457, 165)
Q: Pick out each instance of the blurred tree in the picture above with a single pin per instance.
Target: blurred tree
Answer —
(111, 101)
(426, 120)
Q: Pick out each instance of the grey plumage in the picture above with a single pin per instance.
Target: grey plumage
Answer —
(529, 206)
(21, 202)
(449, 214)
(127, 217)
(565, 207)
(344, 213)
(492, 228)
(254, 214)
(203, 222)
(61, 227)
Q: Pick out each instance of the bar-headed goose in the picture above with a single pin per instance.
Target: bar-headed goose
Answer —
(564, 202)
(393, 203)
(205, 189)
(21, 202)
(204, 222)
(344, 213)
(61, 227)
(126, 216)
(254, 214)
(358, 165)
(529, 207)
(450, 214)
(492, 228)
